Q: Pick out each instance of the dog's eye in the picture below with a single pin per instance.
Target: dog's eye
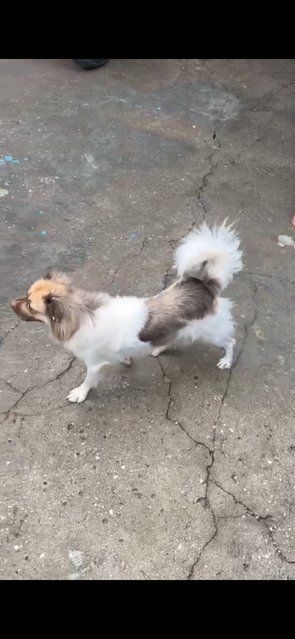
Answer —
(29, 306)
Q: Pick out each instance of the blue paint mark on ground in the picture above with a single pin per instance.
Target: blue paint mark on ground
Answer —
(43, 233)
(8, 159)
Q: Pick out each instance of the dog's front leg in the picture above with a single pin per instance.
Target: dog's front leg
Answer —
(80, 393)
(226, 361)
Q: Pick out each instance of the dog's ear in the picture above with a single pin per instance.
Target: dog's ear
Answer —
(58, 276)
(54, 308)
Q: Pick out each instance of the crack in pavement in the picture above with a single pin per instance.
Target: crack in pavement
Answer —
(172, 421)
(205, 180)
(205, 500)
(51, 410)
(8, 332)
(196, 443)
(262, 104)
(128, 257)
(266, 520)
(36, 386)
(16, 390)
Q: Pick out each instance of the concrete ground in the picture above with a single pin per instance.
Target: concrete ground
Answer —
(172, 469)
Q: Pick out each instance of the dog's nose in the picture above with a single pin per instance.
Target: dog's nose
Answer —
(14, 303)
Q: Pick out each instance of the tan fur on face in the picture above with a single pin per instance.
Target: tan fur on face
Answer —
(40, 290)
(33, 306)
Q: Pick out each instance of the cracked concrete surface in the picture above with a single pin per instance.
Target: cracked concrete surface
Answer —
(171, 469)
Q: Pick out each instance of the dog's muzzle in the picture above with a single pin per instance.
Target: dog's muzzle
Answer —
(17, 307)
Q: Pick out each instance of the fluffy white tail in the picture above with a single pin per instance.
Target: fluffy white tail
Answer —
(210, 253)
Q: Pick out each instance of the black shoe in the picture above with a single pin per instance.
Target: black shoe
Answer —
(90, 64)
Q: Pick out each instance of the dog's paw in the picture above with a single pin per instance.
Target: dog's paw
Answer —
(157, 352)
(78, 394)
(127, 361)
(224, 362)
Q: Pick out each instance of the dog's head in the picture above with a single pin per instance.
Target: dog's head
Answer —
(46, 301)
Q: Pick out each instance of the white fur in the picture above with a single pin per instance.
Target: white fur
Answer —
(112, 334)
(217, 328)
(218, 246)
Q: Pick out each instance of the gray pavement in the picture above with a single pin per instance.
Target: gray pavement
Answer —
(172, 469)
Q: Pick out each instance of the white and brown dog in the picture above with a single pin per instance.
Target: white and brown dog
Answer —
(100, 329)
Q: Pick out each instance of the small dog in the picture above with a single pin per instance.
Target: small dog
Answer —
(101, 329)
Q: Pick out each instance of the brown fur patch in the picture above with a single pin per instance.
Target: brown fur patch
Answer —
(67, 312)
(175, 307)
